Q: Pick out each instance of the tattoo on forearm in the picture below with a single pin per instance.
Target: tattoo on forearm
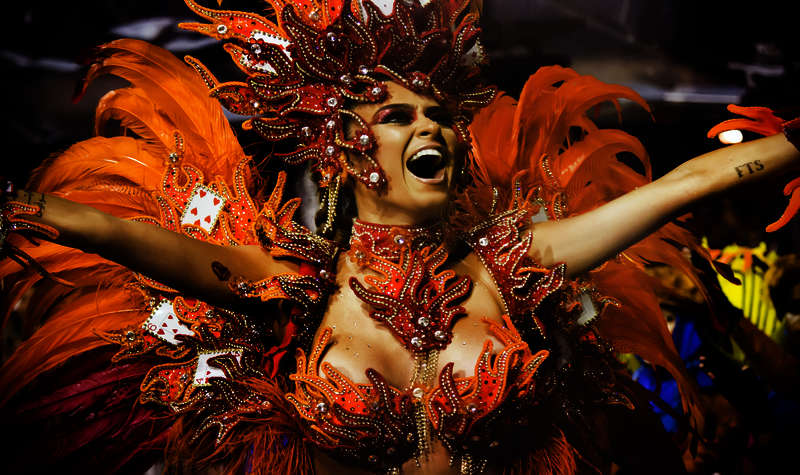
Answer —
(220, 271)
(749, 168)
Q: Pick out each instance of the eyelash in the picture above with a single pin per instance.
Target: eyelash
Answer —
(395, 117)
(404, 117)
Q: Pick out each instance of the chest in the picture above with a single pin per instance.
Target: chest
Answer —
(362, 340)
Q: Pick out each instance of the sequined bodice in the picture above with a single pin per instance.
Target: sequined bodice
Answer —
(382, 425)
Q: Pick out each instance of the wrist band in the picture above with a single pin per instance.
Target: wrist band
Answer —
(16, 217)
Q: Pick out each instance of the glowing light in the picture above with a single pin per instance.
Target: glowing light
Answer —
(731, 136)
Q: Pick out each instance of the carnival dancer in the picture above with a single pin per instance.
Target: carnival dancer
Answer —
(474, 267)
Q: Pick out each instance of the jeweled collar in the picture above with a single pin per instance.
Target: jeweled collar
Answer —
(387, 241)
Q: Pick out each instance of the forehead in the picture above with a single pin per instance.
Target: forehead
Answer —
(398, 94)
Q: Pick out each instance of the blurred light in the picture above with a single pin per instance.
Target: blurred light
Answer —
(147, 29)
(730, 136)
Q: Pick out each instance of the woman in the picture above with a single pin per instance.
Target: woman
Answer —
(440, 332)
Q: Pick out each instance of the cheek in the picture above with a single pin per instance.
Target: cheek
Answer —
(391, 145)
(451, 139)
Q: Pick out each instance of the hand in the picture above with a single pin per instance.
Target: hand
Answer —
(762, 120)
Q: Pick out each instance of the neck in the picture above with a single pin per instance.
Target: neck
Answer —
(387, 240)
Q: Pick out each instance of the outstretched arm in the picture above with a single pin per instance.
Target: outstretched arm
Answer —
(586, 240)
(188, 265)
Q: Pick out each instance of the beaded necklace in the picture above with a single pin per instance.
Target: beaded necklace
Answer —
(387, 241)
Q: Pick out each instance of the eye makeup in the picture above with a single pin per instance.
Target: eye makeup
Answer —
(394, 113)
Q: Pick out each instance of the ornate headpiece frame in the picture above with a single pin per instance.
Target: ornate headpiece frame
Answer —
(312, 60)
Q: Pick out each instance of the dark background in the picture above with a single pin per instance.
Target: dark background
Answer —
(687, 58)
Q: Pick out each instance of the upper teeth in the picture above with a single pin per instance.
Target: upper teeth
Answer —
(427, 151)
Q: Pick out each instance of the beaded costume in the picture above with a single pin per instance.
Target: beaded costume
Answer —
(123, 369)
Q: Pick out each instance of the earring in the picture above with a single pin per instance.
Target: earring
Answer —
(330, 204)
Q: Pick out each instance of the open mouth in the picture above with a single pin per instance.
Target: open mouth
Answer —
(427, 165)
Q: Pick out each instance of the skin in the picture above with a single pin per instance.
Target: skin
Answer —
(403, 124)
(581, 242)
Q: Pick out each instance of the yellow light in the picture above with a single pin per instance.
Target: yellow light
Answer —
(731, 136)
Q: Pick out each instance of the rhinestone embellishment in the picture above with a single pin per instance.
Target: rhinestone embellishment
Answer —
(374, 177)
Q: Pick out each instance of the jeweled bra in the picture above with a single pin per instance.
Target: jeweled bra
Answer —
(381, 426)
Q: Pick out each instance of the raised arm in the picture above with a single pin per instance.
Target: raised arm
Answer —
(191, 266)
(586, 240)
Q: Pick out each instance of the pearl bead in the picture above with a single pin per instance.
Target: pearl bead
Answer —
(222, 29)
(364, 139)
(418, 393)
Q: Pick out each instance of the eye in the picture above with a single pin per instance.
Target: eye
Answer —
(441, 116)
(395, 116)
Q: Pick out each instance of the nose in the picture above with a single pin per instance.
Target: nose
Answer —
(427, 127)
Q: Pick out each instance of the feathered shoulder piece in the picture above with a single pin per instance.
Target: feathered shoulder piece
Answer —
(563, 164)
(182, 366)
